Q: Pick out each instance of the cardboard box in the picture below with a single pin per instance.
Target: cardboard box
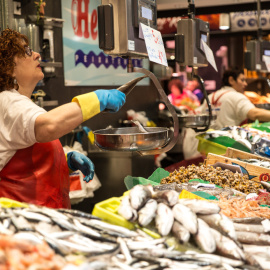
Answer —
(254, 172)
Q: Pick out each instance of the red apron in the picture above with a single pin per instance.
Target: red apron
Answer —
(38, 174)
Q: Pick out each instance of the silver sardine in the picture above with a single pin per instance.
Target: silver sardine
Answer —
(106, 226)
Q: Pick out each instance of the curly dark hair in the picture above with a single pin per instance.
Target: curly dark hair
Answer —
(12, 43)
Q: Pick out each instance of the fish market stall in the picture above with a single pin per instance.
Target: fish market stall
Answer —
(197, 217)
(43, 238)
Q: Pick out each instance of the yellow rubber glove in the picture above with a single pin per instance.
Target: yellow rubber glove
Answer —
(99, 100)
(89, 104)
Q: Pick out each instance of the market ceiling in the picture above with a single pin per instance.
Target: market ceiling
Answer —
(175, 8)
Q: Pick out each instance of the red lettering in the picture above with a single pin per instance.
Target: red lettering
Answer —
(81, 16)
(94, 20)
(80, 19)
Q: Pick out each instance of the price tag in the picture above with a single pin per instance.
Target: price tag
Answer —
(209, 54)
(266, 59)
(154, 45)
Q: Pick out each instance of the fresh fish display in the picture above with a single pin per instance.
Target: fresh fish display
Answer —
(164, 219)
(101, 225)
(219, 260)
(147, 212)
(204, 237)
(192, 222)
(186, 217)
(248, 220)
(180, 232)
(227, 247)
(220, 223)
(193, 186)
(169, 197)
(71, 236)
(255, 228)
(139, 195)
(201, 206)
(126, 211)
(257, 162)
(263, 251)
(253, 238)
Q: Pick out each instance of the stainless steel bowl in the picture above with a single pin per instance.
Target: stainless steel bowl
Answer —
(194, 121)
(188, 121)
(131, 138)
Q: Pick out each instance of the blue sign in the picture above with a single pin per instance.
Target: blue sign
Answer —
(84, 63)
(248, 20)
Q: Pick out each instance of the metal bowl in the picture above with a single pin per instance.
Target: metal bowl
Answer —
(131, 138)
(193, 121)
(188, 121)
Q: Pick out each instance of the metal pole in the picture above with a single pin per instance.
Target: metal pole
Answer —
(191, 9)
(259, 22)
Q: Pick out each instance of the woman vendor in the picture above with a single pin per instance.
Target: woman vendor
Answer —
(33, 166)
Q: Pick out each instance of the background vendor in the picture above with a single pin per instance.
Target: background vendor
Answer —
(233, 108)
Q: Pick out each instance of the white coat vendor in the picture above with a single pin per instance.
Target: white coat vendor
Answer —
(232, 106)
(33, 166)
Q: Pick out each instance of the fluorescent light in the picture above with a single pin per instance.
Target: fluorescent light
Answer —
(224, 21)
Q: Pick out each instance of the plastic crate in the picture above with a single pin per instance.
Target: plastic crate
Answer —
(107, 211)
(205, 146)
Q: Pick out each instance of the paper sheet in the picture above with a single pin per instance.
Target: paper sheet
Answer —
(154, 45)
(209, 54)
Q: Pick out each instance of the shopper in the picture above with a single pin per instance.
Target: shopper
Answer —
(181, 97)
(33, 166)
(233, 108)
(194, 87)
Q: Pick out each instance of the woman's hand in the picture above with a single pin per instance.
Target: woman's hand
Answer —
(78, 161)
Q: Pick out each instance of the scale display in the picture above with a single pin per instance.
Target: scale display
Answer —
(118, 24)
(145, 12)
(255, 50)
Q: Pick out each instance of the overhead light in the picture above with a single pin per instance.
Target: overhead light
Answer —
(224, 21)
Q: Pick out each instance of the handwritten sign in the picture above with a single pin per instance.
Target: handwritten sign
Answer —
(154, 45)
(209, 55)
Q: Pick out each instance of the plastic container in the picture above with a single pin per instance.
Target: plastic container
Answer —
(107, 211)
(206, 146)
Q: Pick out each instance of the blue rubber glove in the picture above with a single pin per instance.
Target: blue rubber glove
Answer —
(78, 161)
(112, 99)
(86, 130)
